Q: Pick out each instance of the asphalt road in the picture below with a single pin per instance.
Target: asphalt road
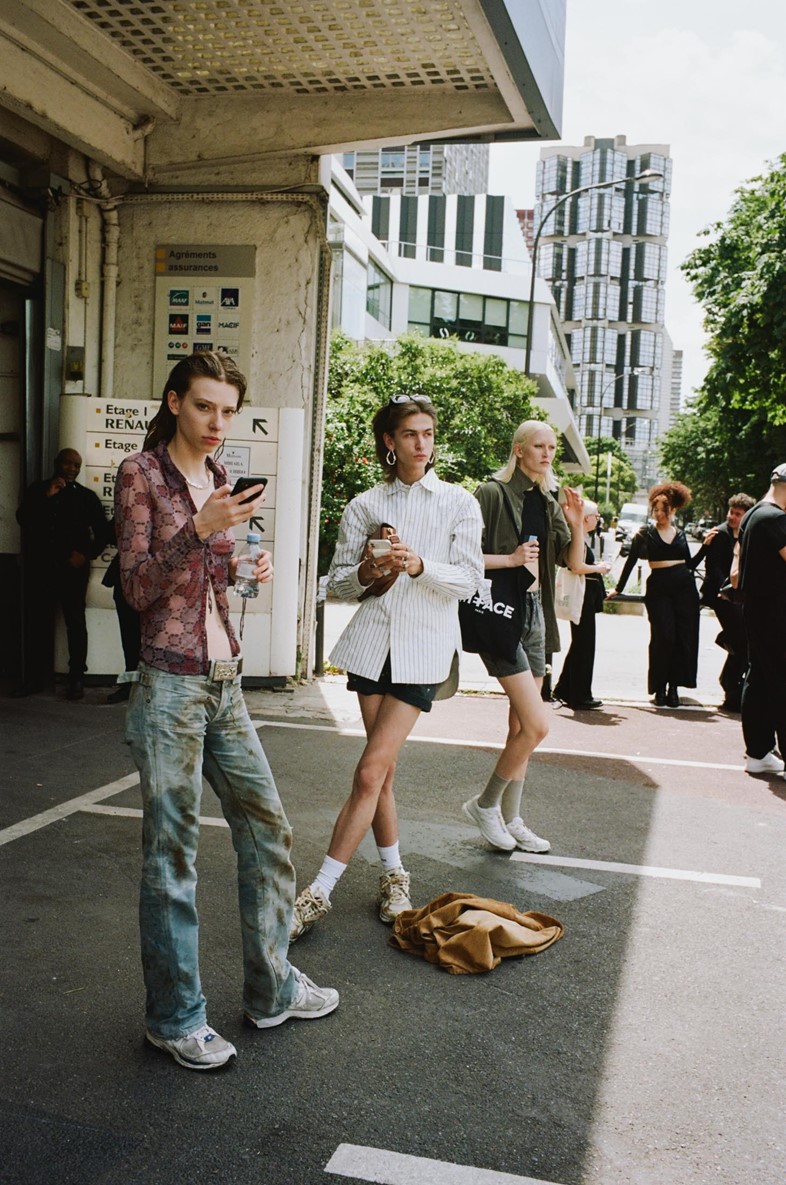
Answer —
(646, 1047)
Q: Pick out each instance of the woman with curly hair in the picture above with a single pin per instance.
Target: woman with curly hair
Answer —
(671, 596)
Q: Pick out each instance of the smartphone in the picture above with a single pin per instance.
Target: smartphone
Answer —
(532, 538)
(245, 483)
(380, 548)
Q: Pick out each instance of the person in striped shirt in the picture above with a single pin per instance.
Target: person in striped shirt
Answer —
(399, 645)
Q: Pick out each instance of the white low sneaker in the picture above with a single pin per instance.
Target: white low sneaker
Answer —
(490, 824)
(526, 840)
(771, 764)
(310, 1003)
(393, 896)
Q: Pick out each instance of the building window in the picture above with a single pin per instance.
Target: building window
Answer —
(379, 295)
(469, 317)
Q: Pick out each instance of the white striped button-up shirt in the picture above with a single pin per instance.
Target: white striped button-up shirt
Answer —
(416, 620)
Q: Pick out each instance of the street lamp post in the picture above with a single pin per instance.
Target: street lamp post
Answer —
(647, 175)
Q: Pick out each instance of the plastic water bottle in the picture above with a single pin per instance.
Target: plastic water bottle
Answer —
(246, 585)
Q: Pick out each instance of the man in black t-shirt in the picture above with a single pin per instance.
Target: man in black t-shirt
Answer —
(717, 552)
(762, 580)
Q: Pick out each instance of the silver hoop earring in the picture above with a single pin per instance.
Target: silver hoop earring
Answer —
(390, 457)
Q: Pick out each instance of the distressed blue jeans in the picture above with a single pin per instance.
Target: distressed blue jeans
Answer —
(179, 728)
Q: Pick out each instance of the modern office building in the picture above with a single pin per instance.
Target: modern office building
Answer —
(603, 253)
(419, 168)
(449, 266)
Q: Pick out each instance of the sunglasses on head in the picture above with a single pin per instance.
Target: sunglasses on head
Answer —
(409, 399)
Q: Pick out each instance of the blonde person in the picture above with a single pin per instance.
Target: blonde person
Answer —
(543, 536)
(174, 516)
(399, 645)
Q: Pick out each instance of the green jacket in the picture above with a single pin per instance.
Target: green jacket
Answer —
(499, 538)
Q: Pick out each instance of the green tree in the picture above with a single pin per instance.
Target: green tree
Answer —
(740, 278)
(479, 398)
(735, 430)
(622, 482)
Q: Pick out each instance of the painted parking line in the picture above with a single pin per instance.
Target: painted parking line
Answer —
(671, 874)
(466, 743)
(55, 813)
(396, 1168)
(131, 812)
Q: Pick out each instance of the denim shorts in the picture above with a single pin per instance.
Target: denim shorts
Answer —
(419, 695)
(531, 652)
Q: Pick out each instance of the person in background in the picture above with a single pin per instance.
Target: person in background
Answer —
(64, 527)
(759, 572)
(187, 718)
(400, 645)
(574, 686)
(671, 598)
(127, 620)
(536, 534)
(717, 552)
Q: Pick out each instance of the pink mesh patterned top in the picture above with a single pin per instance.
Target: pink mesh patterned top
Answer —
(165, 566)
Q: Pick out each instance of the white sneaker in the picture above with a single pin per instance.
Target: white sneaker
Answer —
(203, 1049)
(525, 839)
(393, 896)
(310, 1003)
(310, 906)
(771, 764)
(490, 824)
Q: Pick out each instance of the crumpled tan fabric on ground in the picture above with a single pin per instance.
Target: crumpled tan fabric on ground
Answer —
(465, 934)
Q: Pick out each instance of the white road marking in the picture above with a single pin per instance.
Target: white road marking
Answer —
(633, 758)
(55, 813)
(672, 874)
(395, 1168)
(130, 812)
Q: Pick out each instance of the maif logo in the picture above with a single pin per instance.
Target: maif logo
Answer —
(178, 323)
(178, 298)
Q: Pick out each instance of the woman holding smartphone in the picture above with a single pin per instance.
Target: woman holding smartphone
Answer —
(175, 514)
(400, 644)
(524, 527)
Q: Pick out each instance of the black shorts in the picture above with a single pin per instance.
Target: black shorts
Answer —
(419, 695)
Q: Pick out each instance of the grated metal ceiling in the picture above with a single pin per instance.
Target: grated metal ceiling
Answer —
(303, 47)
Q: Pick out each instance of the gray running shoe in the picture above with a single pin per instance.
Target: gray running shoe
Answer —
(310, 1003)
(203, 1049)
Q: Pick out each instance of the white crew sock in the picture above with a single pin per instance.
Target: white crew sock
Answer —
(390, 857)
(329, 875)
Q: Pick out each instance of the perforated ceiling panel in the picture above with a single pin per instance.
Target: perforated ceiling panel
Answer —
(307, 47)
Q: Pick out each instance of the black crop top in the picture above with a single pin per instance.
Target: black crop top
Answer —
(648, 545)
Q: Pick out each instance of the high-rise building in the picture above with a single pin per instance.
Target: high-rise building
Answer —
(603, 252)
(419, 168)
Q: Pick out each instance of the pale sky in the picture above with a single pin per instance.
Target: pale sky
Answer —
(707, 78)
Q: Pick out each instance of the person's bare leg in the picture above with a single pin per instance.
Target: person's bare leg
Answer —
(391, 725)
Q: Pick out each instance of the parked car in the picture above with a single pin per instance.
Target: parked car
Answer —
(632, 515)
(702, 527)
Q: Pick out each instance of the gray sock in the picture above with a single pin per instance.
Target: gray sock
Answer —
(511, 800)
(492, 795)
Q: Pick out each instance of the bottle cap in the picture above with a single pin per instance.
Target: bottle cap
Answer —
(253, 537)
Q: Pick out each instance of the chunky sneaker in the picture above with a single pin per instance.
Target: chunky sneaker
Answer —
(310, 906)
(490, 823)
(393, 896)
(525, 839)
(203, 1049)
(770, 764)
(310, 1003)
